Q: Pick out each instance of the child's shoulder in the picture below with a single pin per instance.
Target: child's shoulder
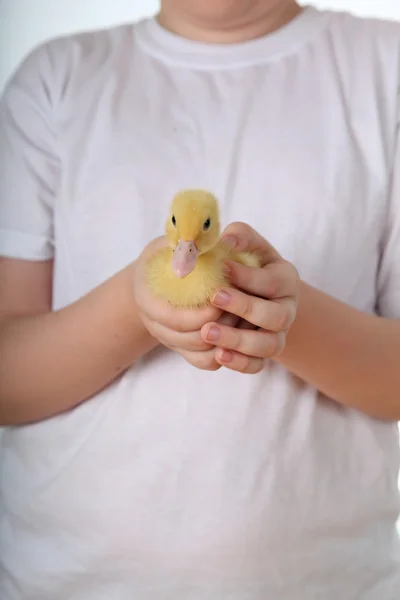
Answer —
(59, 61)
(364, 53)
(362, 32)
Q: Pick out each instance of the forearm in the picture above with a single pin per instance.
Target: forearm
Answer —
(52, 362)
(352, 357)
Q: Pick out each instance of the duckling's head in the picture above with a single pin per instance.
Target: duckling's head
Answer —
(192, 228)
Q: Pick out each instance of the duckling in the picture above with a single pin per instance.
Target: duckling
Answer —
(188, 272)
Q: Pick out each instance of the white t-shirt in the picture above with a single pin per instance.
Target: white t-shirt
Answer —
(176, 483)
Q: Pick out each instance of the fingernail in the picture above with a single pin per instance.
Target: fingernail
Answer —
(230, 241)
(221, 298)
(213, 334)
(225, 356)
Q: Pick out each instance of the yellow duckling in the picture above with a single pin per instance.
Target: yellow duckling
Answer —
(188, 272)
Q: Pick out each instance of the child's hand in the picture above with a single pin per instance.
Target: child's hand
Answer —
(175, 328)
(267, 305)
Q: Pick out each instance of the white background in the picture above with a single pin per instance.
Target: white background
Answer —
(25, 23)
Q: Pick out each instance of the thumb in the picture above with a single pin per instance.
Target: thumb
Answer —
(243, 238)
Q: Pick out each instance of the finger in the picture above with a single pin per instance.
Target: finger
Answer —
(192, 340)
(260, 344)
(178, 319)
(239, 362)
(242, 324)
(234, 321)
(229, 319)
(277, 315)
(275, 280)
(243, 238)
(205, 361)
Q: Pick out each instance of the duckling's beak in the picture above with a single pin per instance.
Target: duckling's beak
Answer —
(184, 258)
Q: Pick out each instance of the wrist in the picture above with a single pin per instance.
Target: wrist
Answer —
(142, 340)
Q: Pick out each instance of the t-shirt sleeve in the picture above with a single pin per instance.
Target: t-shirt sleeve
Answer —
(29, 162)
(389, 270)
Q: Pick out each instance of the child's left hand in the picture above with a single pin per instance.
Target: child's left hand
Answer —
(266, 301)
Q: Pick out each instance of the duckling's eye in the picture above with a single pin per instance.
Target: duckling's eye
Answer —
(207, 224)
(173, 220)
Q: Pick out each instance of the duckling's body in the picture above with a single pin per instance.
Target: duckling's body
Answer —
(188, 272)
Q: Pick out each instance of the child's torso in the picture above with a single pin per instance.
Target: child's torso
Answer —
(179, 478)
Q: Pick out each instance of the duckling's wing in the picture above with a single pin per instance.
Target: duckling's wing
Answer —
(250, 259)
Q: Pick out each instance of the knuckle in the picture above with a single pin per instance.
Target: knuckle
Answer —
(157, 331)
(293, 276)
(242, 231)
(244, 364)
(291, 315)
(207, 362)
(251, 366)
(258, 366)
(199, 347)
(247, 308)
(273, 287)
(282, 318)
(212, 366)
(294, 272)
(196, 344)
(290, 268)
(238, 227)
(233, 342)
(271, 345)
(275, 345)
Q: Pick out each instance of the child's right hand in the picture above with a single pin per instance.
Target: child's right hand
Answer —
(176, 328)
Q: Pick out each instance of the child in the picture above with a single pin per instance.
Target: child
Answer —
(152, 453)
